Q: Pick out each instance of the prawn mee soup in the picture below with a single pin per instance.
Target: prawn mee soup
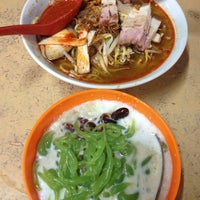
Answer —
(111, 41)
(105, 150)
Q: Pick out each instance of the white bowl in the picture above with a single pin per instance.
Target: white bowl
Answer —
(34, 9)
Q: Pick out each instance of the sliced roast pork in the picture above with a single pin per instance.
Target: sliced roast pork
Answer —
(109, 12)
(135, 27)
(152, 34)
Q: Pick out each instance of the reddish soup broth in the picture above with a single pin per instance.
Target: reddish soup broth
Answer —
(140, 63)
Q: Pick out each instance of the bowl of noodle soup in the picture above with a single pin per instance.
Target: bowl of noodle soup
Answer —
(104, 55)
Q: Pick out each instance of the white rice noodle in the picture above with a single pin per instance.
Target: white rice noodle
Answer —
(101, 61)
(107, 48)
(73, 74)
(105, 58)
(148, 53)
(113, 45)
(154, 26)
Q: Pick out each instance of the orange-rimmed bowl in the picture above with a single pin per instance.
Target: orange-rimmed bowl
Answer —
(76, 99)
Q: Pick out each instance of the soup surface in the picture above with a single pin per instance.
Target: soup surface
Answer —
(106, 57)
(102, 150)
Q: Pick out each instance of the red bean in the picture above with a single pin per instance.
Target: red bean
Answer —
(106, 118)
(120, 113)
(69, 126)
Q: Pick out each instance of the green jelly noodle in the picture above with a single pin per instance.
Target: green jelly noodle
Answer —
(91, 162)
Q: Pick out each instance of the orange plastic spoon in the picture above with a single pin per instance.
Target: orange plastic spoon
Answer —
(54, 18)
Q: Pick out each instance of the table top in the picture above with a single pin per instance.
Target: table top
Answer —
(27, 91)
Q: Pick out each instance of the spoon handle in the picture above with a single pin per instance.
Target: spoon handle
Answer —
(26, 29)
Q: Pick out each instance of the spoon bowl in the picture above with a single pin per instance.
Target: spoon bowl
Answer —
(54, 18)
